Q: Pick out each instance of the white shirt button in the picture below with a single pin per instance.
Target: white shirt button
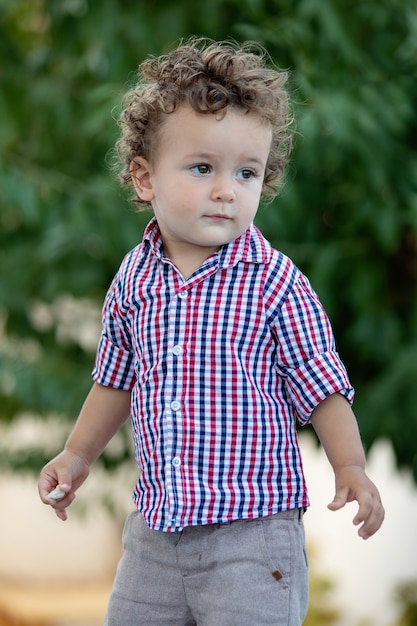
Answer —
(177, 350)
(182, 294)
(175, 405)
(176, 461)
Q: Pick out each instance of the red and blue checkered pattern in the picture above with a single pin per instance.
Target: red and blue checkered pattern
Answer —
(220, 367)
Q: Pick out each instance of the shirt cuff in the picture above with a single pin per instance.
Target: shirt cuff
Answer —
(114, 366)
(314, 381)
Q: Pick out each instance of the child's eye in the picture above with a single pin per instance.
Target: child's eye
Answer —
(246, 174)
(201, 168)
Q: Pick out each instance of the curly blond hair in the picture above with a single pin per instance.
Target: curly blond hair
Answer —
(209, 76)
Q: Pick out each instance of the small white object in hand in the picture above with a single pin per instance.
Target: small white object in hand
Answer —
(56, 494)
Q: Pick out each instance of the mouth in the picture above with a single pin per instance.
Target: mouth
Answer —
(219, 217)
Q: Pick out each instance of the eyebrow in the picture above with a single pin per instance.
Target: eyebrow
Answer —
(201, 156)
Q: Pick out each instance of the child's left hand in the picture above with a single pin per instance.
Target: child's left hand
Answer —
(352, 483)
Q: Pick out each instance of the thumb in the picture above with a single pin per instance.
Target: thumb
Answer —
(61, 483)
(64, 480)
(339, 500)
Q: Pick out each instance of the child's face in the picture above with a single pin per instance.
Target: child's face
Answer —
(205, 180)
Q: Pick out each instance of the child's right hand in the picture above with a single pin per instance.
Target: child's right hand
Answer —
(68, 471)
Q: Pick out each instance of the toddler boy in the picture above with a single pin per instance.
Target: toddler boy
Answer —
(215, 344)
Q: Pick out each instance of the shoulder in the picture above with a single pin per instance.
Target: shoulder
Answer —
(122, 287)
(136, 257)
(285, 283)
(280, 272)
(130, 263)
(133, 258)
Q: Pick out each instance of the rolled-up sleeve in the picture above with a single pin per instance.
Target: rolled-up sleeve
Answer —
(114, 364)
(307, 357)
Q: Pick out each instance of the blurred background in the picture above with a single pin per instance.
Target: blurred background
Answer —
(347, 216)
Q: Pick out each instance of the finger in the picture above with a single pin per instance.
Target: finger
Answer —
(339, 500)
(51, 480)
(45, 485)
(367, 504)
(372, 522)
(336, 504)
(62, 514)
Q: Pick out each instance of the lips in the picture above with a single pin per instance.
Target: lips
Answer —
(219, 217)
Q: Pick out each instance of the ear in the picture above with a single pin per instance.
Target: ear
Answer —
(140, 171)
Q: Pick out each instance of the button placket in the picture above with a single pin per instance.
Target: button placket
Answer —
(174, 392)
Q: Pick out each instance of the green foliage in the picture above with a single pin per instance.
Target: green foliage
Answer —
(347, 216)
(406, 596)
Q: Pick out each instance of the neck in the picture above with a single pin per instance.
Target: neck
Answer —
(188, 261)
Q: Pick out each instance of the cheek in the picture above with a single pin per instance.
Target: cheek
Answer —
(172, 199)
(187, 202)
(251, 204)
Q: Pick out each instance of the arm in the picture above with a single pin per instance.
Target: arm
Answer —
(103, 413)
(336, 427)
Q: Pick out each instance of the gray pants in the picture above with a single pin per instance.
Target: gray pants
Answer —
(246, 573)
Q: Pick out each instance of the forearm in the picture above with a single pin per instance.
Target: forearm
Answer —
(337, 429)
(103, 413)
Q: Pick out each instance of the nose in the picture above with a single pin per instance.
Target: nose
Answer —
(223, 190)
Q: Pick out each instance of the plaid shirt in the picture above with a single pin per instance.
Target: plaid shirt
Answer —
(220, 366)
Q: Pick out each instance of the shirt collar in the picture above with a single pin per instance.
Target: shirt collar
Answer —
(152, 236)
(250, 247)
